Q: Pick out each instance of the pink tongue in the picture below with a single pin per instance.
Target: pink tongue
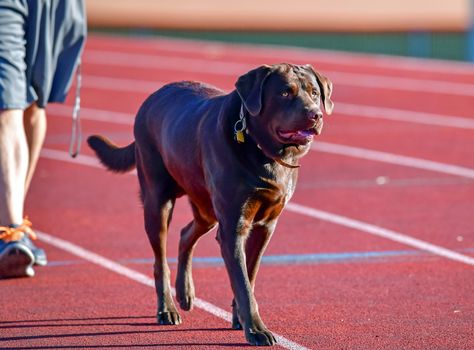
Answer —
(299, 133)
(287, 134)
(305, 133)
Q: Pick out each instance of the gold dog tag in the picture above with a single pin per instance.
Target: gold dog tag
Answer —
(239, 136)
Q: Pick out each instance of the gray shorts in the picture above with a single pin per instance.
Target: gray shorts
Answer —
(40, 46)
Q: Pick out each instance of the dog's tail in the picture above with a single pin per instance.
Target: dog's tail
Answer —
(117, 159)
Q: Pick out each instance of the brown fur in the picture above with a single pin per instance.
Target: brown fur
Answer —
(184, 145)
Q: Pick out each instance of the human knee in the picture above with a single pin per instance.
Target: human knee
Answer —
(11, 122)
(34, 115)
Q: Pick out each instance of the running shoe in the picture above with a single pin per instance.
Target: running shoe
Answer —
(17, 252)
(16, 259)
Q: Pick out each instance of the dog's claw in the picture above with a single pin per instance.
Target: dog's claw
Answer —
(260, 338)
(235, 317)
(168, 318)
(236, 324)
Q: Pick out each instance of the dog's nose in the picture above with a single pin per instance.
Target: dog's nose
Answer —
(314, 114)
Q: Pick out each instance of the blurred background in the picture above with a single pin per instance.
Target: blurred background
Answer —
(439, 29)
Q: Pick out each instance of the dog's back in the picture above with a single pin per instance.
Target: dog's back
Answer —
(174, 109)
(177, 121)
(171, 113)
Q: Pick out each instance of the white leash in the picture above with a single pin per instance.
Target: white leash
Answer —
(76, 133)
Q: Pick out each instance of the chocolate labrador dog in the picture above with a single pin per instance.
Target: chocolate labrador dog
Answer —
(236, 157)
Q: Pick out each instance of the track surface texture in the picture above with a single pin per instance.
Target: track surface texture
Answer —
(375, 250)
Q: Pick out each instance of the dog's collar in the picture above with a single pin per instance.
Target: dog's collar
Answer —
(291, 166)
(241, 125)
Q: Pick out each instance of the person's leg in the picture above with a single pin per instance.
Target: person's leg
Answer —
(35, 129)
(13, 166)
(16, 257)
(34, 121)
(21, 137)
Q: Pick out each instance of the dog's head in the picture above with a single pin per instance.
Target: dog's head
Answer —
(285, 105)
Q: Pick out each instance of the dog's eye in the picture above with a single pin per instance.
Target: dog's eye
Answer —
(314, 93)
(285, 94)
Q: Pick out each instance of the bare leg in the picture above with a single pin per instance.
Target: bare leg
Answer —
(13, 166)
(34, 121)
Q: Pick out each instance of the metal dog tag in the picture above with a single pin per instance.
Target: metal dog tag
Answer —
(239, 136)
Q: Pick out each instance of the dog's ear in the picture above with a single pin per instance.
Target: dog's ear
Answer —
(326, 87)
(250, 86)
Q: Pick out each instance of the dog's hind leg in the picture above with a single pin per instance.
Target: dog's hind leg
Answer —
(157, 216)
(189, 237)
(158, 192)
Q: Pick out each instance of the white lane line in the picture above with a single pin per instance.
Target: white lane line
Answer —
(143, 279)
(94, 114)
(318, 214)
(121, 84)
(381, 232)
(234, 69)
(391, 158)
(62, 156)
(348, 151)
(401, 84)
(402, 115)
(160, 62)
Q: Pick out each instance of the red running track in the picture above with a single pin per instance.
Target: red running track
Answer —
(330, 281)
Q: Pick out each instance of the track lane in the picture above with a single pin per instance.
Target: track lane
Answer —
(355, 317)
(394, 195)
(367, 305)
(83, 312)
(230, 67)
(384, 135)
(342, 61)
(360, 100)
(397, 92)
(312, 162)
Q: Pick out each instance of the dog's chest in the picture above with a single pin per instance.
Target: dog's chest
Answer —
(282, 186)
(290, 188)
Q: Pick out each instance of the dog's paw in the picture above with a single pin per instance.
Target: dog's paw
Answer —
(260, 338)
(168, 318)
(185, 302)
(236, 323)
(235, 318)
(185, 292)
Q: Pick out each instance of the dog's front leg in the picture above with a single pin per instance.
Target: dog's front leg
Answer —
(254, 248)
(232, 242)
